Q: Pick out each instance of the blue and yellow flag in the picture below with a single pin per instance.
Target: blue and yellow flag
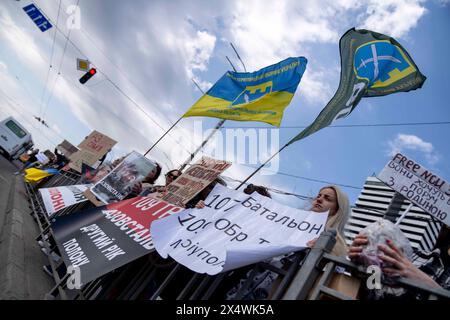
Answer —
(252, 96)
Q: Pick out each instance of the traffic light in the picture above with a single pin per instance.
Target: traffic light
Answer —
(88, 75)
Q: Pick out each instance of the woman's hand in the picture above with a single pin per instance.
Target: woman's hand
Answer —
(200, 204)
(311, 243)
(401, 266)
(137, 188)
(357, 246)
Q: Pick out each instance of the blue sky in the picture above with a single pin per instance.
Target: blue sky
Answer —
(153, 49)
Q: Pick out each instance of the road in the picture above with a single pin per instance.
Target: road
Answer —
(21, 260)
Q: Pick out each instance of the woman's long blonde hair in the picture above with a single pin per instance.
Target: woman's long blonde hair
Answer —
(338, 220)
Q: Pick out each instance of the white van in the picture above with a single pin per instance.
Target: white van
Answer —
(14, 139)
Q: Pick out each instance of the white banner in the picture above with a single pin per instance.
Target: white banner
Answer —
(234, 230)
(419, 185)
(59, 198)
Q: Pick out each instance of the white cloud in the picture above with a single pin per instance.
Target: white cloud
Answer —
(411, 142)
(3, 67)
(20, 41)
(393, 17)
(315, 87)
(267, 32)
(198, 50)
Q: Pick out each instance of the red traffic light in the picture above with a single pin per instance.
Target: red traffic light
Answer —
(88, 75)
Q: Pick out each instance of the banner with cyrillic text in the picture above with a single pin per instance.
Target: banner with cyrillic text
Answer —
(233, 230)
(102, 239)
(58, 198)
(419, 185)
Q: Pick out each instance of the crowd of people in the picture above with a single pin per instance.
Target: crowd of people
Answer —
(435, 273)
(35, 158)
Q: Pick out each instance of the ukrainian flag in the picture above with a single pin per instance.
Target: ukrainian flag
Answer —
(252, 96)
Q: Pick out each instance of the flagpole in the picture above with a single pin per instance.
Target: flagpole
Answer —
(165, 133)
(261, 166)
(218, 125)
(191, 157)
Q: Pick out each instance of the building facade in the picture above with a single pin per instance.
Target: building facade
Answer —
(378, 201)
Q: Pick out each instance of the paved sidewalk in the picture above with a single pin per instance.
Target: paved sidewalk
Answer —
(21, 260)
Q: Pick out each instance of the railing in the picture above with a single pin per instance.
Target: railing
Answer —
(151, 277)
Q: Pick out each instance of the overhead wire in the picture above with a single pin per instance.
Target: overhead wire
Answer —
(50, 64)
(117, 87)
(352, 125)
(59, 68)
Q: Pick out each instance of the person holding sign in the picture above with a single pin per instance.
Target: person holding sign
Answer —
(141, 187)
(248, 190)
(331, 199)
(171, 176)
(435, 272)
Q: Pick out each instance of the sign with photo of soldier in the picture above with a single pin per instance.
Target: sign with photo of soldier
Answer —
(116, 185)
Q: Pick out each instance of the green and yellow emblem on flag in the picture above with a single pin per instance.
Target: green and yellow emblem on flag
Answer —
(372, 65)
(252, 96)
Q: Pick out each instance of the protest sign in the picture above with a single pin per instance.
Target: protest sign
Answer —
(117, 184)
(233, 230)
(82, 156)
(194, 180)
(91, 175)
(419, 185)
(58, 198)
(66, 148)
(50, 155)
(97, 143)
(102, 239)
(95, 146)
(42, 158)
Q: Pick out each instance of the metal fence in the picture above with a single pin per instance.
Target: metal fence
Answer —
(152, 277)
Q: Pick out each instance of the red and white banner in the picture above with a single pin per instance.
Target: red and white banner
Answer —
(58, 198)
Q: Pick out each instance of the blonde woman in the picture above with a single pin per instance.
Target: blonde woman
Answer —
(331, 199)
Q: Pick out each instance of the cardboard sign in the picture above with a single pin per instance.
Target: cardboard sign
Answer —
(102, 239)
(194, 180)
(97, 143)
(419, 185)
(233, 230)
(80, 157)
(66, 148)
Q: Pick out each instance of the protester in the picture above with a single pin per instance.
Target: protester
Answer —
(60, 160)
(263, 284)
(434, 272)
(31, 160)
(171, 176)
(259, 189)
(248, 190)
(204, 193)
(147, 182)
